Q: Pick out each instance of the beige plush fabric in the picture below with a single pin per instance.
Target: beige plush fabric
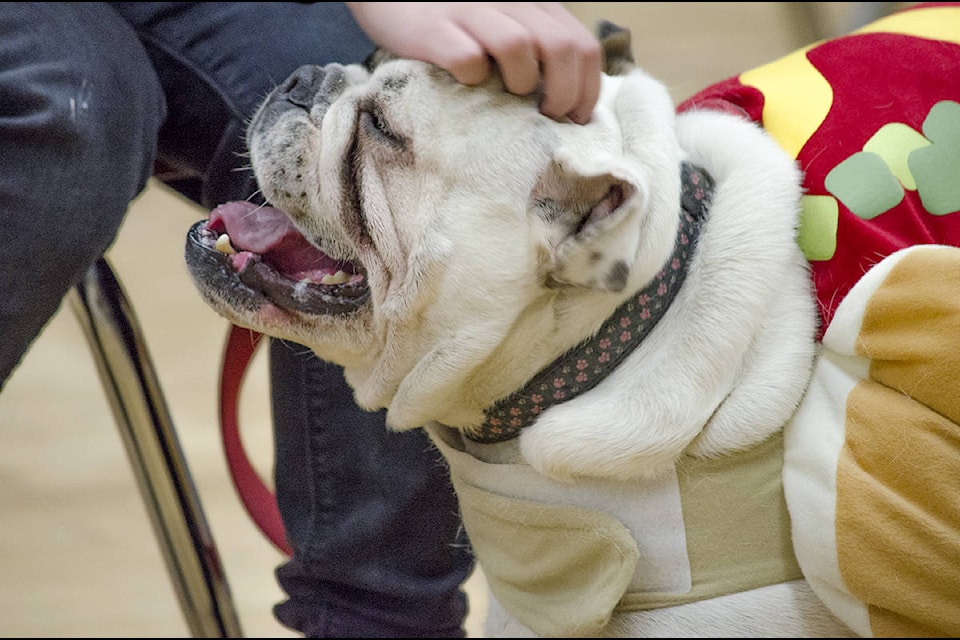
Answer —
(563, 558)
(872, 459)
(898, 479)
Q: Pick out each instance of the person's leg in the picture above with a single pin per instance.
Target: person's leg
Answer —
(80, 108)
(217, 61)
(370, 514)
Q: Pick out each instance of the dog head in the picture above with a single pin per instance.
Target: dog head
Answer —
(441, 242)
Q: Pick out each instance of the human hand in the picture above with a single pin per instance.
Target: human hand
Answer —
(533, 44)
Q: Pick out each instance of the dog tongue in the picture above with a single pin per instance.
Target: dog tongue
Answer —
(268, 231)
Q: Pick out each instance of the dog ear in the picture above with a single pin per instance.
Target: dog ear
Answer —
(591, 216)
(617, 48)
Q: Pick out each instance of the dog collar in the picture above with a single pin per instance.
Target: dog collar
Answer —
(583, 367)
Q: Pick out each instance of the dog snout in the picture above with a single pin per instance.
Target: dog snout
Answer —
(311, 89)
(311, 84)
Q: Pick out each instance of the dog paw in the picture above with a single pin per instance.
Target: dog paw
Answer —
(565, 445)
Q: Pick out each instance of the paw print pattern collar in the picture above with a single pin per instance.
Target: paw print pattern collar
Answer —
(584, 366)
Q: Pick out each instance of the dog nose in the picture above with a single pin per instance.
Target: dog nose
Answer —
(303, 85)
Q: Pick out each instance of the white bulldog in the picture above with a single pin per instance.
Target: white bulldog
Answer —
(605, 329)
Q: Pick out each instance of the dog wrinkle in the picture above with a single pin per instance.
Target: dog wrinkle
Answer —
(351, 187)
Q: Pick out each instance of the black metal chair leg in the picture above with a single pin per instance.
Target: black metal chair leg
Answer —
(140, 409)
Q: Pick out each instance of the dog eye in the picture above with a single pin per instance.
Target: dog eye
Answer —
(376, 124)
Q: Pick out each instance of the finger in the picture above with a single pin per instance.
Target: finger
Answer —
(511, 46)
(561, 82)
(581, 82)
(591, 65)
(458, 52)
(570, 60)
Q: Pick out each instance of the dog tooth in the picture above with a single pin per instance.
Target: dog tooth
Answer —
(224, 246)
(337, 278)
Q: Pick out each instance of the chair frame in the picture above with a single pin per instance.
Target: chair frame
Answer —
(133, 390)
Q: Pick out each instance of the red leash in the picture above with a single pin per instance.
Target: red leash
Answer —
(257, 498)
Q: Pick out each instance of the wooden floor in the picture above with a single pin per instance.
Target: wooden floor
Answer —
(77, 554)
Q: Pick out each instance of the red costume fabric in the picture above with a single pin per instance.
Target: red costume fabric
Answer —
(873, 119)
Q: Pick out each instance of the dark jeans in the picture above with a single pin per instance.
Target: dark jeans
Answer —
(91, 95)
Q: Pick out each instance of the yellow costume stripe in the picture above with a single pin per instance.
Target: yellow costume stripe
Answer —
(934, 23)
(797, 97)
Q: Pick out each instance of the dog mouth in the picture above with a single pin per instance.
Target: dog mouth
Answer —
(255, 252)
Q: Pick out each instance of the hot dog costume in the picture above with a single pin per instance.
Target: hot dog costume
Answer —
(872, 460)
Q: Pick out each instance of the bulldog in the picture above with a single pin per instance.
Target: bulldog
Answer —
(649, 397)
